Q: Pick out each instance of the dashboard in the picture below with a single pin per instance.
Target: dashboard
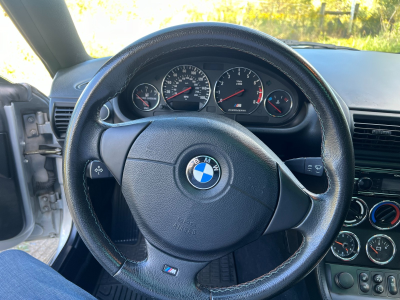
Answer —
(364, 260)
(247, 92)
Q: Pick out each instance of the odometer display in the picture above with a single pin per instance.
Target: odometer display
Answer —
(239, 91)
(186, 88)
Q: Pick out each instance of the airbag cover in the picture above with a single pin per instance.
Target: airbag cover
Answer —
(200, 224)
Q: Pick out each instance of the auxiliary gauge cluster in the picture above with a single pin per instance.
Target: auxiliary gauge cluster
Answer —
(379, 248)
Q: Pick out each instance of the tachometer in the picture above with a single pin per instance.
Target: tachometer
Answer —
(239, 91)
(186, 88)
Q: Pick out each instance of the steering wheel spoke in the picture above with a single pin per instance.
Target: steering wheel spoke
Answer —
(164, 274)
(293, 205)
(115, 143)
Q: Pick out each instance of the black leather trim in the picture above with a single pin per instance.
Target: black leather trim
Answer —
(328, 210)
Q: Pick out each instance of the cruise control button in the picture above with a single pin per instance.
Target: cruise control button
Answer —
(378, 278)
(364, 277)
(379, 289)
(364, 287)
(392, 285)
(97, 170)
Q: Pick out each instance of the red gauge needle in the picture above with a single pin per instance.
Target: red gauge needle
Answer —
(341, 245)
(274, 107)
(144, 102)
(179, 93)
(241, 91)
(374, 249)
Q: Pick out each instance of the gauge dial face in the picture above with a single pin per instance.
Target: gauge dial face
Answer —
(278, 103)
(346, 246)
(380, 249)
(385, 215)
(186, 88)
(145, 97)
(357, 213)
(239, 91)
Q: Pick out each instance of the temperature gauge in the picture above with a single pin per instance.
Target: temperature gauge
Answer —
(145, 97)
(278, 103)
(346, 246)
(380, 249)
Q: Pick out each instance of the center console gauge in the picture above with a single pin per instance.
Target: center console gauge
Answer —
(357, 213)
(385, 215)
(380, 249)
(239, 91)
(346, 246)
(186, 88)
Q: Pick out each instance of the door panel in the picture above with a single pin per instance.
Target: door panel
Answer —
(11, 217)
(32, 202)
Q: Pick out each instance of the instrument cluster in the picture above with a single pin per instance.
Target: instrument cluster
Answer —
(240, 90)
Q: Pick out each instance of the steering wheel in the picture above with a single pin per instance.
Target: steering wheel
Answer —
(188, 222)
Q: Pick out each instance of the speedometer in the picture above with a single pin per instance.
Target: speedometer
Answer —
(239, 91)
(186, 88)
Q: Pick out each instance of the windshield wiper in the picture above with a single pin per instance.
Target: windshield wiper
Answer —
(313, 45)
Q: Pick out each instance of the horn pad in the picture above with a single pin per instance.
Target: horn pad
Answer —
(178, 207)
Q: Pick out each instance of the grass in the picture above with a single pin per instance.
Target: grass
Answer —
(382, 43)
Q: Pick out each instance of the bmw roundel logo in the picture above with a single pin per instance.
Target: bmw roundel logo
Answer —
(203, 172)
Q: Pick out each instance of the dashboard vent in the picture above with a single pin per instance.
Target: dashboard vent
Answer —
(62, 115)
(376, 135)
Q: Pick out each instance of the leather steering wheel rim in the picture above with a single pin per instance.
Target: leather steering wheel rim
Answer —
(86, 131)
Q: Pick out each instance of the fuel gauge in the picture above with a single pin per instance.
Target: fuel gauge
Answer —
(145, 97)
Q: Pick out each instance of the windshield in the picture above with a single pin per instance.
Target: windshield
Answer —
(107, 26)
